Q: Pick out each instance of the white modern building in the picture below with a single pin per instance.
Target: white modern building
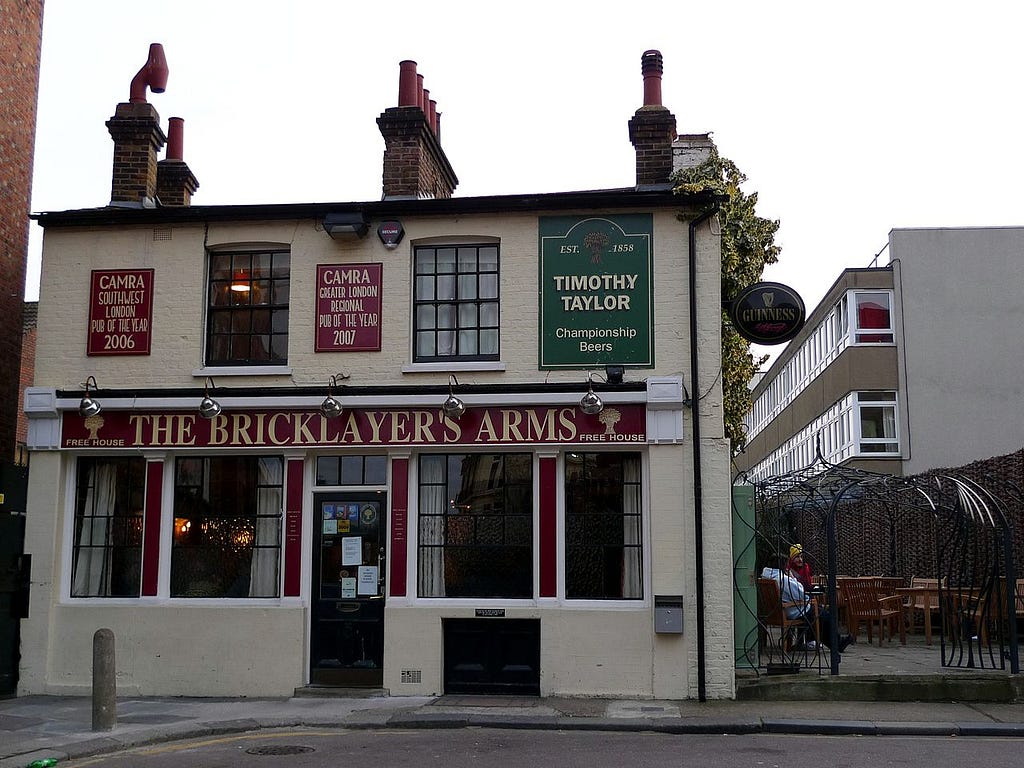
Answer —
(902, 368)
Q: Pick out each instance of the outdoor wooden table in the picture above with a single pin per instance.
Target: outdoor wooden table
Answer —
(930, 598)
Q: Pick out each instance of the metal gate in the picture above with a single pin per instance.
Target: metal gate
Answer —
(938, 547)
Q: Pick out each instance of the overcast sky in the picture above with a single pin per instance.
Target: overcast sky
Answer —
(849, 118)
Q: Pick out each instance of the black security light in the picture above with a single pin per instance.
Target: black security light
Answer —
(344, 225)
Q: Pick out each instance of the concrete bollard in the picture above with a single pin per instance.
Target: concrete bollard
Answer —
(104, 685)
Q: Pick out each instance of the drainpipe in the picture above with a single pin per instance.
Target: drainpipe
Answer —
(698, 493)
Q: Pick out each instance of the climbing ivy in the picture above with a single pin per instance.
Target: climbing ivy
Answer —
(748, 245)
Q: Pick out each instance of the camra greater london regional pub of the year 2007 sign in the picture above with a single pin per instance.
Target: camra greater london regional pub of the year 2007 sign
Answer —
(596, 291)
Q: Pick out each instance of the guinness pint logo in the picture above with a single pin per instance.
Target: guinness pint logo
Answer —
(767, 313)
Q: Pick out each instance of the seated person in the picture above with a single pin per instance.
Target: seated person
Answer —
(799, 567)
(792, 591)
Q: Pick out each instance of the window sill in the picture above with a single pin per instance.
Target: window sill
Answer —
(452, 367)
(241, 370)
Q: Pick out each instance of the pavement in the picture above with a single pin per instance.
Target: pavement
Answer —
(37, 727)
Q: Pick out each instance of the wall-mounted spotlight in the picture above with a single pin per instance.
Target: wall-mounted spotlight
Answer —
(590, 403)
(614, 373)
(89, 407)
(330, 407)
(208, 407)
(453, 407)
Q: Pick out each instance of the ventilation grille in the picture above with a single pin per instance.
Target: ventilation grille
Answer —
(161, 233)
(412, 675)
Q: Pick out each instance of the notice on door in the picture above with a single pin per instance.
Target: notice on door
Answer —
(352, 550)
(368, 580)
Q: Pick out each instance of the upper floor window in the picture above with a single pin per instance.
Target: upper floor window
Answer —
(247, 316)
(878, 422)
(455, 303)
(873, 318)
(107, 546)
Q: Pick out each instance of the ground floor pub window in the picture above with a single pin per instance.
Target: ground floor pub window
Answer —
(227, 526)
(603, 545)
(476, 525)
(107, 541)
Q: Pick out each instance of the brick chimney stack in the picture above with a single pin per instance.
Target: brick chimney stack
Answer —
(135, 129)
(175, 182)
(415, 166)
(653, 128)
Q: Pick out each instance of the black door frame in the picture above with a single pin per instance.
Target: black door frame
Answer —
(354, 625)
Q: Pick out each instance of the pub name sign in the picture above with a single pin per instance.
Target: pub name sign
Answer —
(358, 427)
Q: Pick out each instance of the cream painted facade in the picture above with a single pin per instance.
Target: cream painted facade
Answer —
(261, 646)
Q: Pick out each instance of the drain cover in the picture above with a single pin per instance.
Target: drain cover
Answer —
(278, 749)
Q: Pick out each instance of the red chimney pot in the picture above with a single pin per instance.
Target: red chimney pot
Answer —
(407, 84)
(153, 74)
(175, 138)
(652, 65)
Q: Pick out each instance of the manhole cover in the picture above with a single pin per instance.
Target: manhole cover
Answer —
(278, 749)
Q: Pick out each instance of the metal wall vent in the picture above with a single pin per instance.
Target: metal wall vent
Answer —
(161, 233)
(412, 675)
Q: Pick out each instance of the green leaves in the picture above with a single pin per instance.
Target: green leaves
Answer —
(748, 245)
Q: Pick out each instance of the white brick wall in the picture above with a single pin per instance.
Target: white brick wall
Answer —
(621, 655)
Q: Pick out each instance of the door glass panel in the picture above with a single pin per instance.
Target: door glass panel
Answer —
(348, 621)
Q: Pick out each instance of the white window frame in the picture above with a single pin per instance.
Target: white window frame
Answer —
(856, 331)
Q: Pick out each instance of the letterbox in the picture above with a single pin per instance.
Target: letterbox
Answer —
(668, 614)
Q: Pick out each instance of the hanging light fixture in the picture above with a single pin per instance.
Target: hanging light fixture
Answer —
(89, 407)
(453, 407)
(208, 407)
(240, 281)
(590, 403)
(330, 407)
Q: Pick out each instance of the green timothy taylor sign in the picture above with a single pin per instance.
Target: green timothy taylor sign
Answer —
(596, 289)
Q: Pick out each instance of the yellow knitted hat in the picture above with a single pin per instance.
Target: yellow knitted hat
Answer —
(795, 550)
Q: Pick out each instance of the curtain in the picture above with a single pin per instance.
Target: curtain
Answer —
(92, 548)
(632, 561)
(432, 508)
(266, 543)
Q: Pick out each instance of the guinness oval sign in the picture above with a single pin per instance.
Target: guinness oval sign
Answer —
(768, 313)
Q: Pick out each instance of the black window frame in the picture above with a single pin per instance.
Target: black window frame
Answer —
(209, 533)
(485, 537)
(232, 316)
(119, 536)
(594, 531)
(462, 305)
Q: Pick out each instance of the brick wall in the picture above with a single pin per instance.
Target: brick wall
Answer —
(20, 42)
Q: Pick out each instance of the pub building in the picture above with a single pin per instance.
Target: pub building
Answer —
(424, 444)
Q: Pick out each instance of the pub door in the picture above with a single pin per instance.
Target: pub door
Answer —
(347, 633)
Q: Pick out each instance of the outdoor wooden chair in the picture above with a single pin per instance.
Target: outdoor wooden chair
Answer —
(864, 605)
(918, 605)
(771, 612)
